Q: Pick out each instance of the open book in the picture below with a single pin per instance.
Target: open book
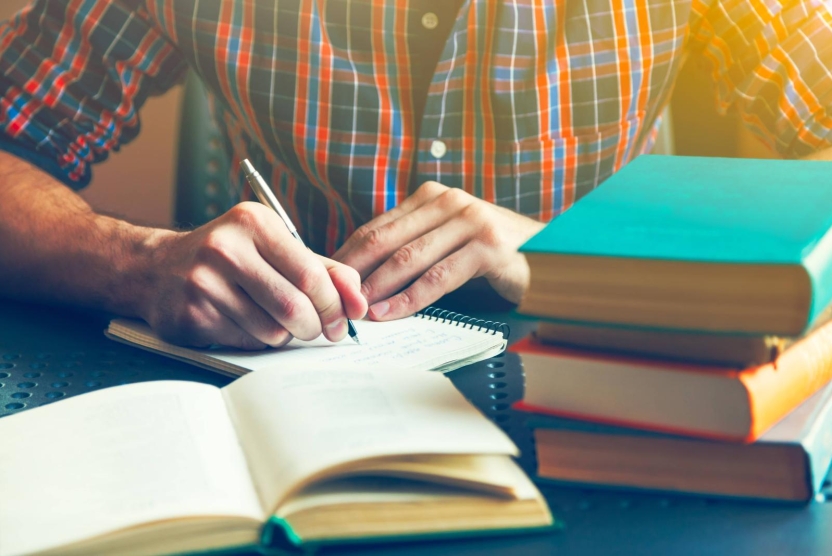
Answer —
(432, 340)
(307, 456)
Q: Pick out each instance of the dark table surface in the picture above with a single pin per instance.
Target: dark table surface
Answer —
(47, 354)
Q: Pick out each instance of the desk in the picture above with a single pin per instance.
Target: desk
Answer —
(47, 354)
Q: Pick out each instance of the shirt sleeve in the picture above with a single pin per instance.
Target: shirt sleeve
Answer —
(73, 75)
(772, 60)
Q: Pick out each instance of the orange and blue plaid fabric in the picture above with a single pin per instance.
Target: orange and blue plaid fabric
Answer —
(533, 102)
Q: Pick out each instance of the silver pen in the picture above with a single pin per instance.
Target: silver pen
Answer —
(264, 193)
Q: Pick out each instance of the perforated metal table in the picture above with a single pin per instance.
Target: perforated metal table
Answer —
(47, 354)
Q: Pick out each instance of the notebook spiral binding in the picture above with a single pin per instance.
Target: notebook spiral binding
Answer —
(465, 321)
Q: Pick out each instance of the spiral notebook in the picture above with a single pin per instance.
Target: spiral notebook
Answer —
(432, 340)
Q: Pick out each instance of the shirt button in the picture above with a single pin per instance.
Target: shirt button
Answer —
(438, 149)
(430, 21)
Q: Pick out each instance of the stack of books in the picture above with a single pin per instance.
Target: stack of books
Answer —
(686, 340)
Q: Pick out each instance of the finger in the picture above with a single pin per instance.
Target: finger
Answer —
(414, 259)
(225, 332)
(202, 325)
(284, 302)
(257, 259)
(348, 283)
(366, 233)
(371, 252)
(308, 275)
(233, 302)
(441, 278)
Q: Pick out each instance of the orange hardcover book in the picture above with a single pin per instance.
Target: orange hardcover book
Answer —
(667, 396)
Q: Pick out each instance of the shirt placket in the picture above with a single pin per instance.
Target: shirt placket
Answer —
(438, 154)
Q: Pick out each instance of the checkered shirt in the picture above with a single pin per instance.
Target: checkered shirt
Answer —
(533, 102)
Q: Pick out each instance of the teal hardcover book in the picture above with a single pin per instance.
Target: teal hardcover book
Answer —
(788, 463)
(735, 234)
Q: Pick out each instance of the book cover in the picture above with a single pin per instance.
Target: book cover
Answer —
(706, 210)
(674, 397)
(727, 350)
(807, 430)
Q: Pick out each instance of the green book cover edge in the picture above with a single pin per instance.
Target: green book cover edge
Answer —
(277, 526)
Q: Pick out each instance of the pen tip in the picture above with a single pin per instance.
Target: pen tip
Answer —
(248, 169)
(356, 340)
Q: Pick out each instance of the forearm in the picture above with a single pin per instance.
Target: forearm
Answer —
(54, 247)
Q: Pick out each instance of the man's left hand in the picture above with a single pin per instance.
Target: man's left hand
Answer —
(434, 242)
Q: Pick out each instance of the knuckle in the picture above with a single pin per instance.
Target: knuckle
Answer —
(331, 310)
(188, 321)
(244, 215)
(309, 334)
(347, 274)
(372, 238)
(265, 328)
(436, 275)
(216, 246)
(405, 255)
(310, 278)
(249, 343)
(406, 301)
(431, 188)
(351, 272)
(454, 197)
(485, 231)
(367, 290)
(278, 337)
(214, 242)
(196, 284)
(488, 235)
(473, 212)
(288, 307)
(361, 232)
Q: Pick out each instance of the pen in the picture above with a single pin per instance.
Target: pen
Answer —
(258, 184)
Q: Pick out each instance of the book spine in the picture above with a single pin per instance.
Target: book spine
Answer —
(776, 389)
(818, 265)
(650, 427)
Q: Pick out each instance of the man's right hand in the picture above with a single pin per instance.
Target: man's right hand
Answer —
(243, 280)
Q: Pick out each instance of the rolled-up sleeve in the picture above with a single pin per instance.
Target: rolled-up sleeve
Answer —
(73, 76)
(771, 60)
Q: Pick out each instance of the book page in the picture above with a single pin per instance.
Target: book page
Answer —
(297, 424)
(412, 343)
(117, 458)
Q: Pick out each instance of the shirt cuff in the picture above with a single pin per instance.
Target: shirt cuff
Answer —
(46, 163)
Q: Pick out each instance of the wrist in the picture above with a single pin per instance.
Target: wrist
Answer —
(135, 267)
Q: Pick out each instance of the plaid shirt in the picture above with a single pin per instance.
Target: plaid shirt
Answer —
(531, 105)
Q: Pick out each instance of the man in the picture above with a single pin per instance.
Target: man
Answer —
(418, 143)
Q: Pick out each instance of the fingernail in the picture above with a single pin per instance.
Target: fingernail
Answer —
(337, 329)
(380, 309)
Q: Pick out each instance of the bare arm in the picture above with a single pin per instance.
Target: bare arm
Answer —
(241, 280)
(54, 247)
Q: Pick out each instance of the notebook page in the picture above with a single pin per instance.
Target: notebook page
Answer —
(412, 343)
(295, 424)
(117, 458)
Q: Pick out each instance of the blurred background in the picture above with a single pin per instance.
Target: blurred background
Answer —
(138, 183)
